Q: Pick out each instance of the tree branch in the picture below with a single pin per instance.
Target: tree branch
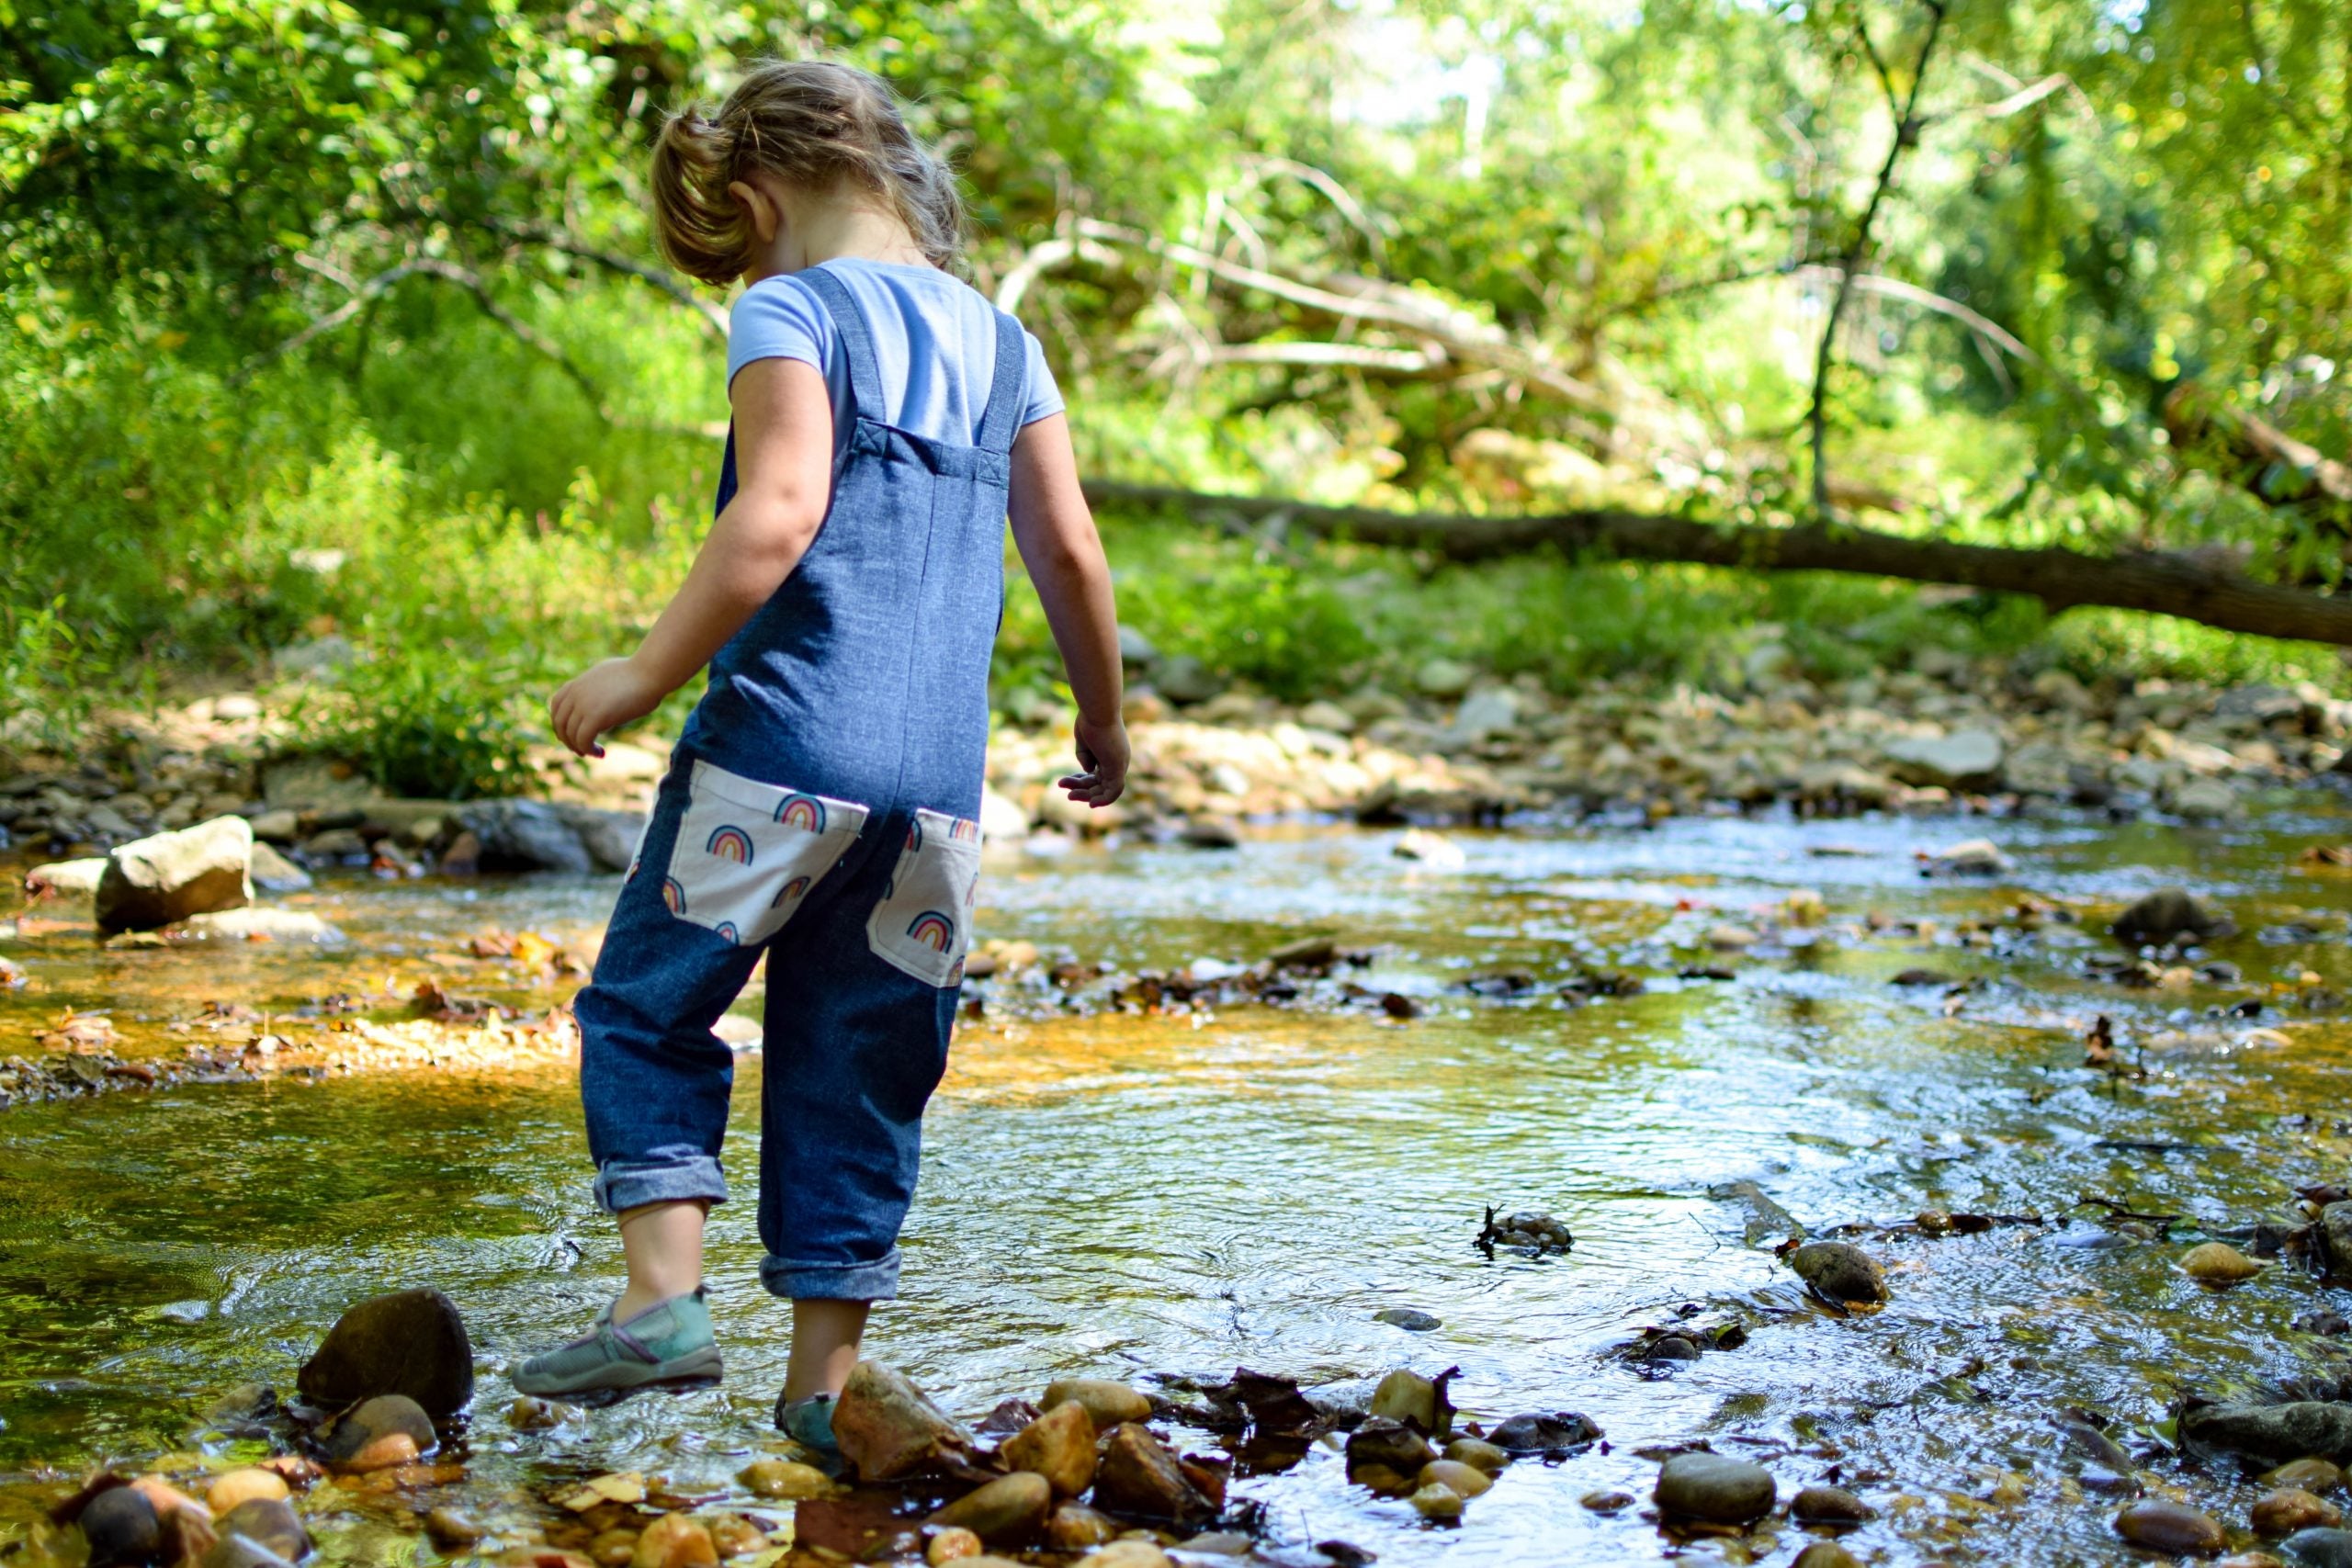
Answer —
(2160, 583)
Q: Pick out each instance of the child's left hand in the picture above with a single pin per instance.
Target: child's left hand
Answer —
(612, 693)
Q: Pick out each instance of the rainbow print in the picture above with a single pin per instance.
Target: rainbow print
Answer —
(934, 930)
(789, 891)
(673, 896)
(730, 844)
(914, 835)
(804, 811)
(728, 933)
(964, 830)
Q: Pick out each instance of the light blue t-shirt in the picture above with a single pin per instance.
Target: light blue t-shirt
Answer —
(934, 343)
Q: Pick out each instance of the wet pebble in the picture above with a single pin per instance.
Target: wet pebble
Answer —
(530, 1415)
(952, 1545)
(2108, 1482)
(1127, 1553)
(121, 1526)
(1565, 1432)
(2159, 1526)
(1479, 1454)
(1410, 1318)
(2088, 1440)
(271, 1521)
(1606, 1502)
(1106, 1402)
(2217, 1263)
(785, 1480)
(2290, 1510)
(1468, 1480)
(1829, 1506)
(1712, 1487)
(377, 1434)
(235, 1549)
(1437, 1503)
(888, 1427)
(1138, 1476)
(1412, 1398)
(452, 1528)
(1075, 1526)
(1390, 1444)
(674, 1540)
(1826, 1554)
(1059, 1446)
(237, 1486)
(1839, 1271)
(2319, 1549)
(1008, 1509)
(2313, 1476)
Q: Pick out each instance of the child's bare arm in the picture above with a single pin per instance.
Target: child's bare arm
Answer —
(784, 467)
(1055, 532)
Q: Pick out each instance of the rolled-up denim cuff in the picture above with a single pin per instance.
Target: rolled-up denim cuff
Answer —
(623, 1184)
(875, 1281)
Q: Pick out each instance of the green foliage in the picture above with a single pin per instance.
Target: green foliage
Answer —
(438, 725)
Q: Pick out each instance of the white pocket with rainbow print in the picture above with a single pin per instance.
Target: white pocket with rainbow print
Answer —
(923, 924)
(748, 853)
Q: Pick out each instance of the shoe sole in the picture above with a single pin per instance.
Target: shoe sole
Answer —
(699, 1370)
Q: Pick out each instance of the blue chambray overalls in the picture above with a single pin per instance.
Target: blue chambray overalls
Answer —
(821, 806)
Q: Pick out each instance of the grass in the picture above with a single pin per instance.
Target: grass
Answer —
(467, 523)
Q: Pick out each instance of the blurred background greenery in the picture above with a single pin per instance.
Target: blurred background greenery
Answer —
(332, 320)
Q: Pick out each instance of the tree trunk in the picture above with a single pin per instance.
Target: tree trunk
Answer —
(2163, 583)
(2251, 452)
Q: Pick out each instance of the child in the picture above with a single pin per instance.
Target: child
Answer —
(822, 804)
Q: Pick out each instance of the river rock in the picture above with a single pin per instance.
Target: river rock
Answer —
(257, 922)
(1841, 1272)
(1970, 857)
(2217, 1263)
(405, 1342)
(2173, 1527)
(2313, 1476)
(152, 882)
(1562, 1432)
(453, 1529)
(121, 1526)
(1436, 1503)
(524, 835)
(65, 878)
(1466, 1479)
(235, 1548)
(675, 1541)
(1185, 679)
(785, 1480)
(1074, 1527)
(1714, 1488)
(1429, 848)
(273, 873)
(1443, 677)
(271, 1521)
(1832, 1505)
(610, 837)
(236, 1487)
(952, 1545)
(1006, 1510)
(1059, 1446)
(2290, 1508)
(1385, 1441)
(2088, 1440)
(1138, 1477)
(1413, 1320)
(1413, 1399)
(2335, 1227)
(2170, 916)
(379, 1433)
(1967, 759)
(1107, 1403)
(1826, 1554)
(1490, 711)
(2271, 1433)
(888, 1427)
(1477, 1452)
(1127, 1553)
(2319, 1548)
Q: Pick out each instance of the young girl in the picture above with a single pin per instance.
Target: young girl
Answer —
(820, 806)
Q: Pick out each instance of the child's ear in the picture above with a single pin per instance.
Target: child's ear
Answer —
(765, 215)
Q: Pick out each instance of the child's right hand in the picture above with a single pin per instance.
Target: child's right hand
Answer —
(1102, 752)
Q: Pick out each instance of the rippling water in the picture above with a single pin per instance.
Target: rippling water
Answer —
(1174, 1196)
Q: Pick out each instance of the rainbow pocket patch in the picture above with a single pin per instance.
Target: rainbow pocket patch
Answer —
(749, 853)
(923, 924)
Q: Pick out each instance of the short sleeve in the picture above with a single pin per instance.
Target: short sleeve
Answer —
(1045, 397)
(779, 318)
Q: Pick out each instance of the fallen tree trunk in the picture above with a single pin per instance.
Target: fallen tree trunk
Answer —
(2161, 582)
(2251, 452)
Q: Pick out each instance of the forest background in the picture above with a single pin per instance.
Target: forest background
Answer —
(332, 334)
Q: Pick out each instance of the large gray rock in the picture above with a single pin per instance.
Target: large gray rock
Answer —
(1965, 759)
(610, 837)
(2272, 1434)
(2319, 1548)
(525, 835)
(154, 882)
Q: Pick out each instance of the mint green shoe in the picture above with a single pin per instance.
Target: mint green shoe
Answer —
(667, 1346)
(810, 1423)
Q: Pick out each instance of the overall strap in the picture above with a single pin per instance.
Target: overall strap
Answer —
(1008, 390)
(857, 342)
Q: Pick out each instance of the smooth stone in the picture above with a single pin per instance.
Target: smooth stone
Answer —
(234, 1548)
(2170, 915)
(1411, 1319)
(453, 1529)
(1219, 1543)
(1007, 1510)
(1829, 1506)
(1185, 679)
(2159, 1526)
(1961, 760)
(1841, 1272)
(1381, 1479)
(1127, 1553)
(256, 922)
(2290, 1510)
(1826, 1554)
(379, 1433)
(2092, 1444)
(785, 1480)
(2271, 1433)
(271, 1521)
(1606, 1502)
(1059, 1446)
(952, 1545)
(236, 1487)
(121, 1526)
(1714, 1488)
(273, 873)
(1436, 1502)
(152, 882)
(404, 1342)
(524, 835)
(1442, 677)
(2250, 1560)
(1466, 1479)
(1138, 1477)
(1385, 1441)
(2317, 1476)
(1564, 1431)
(734, 1535)
(1074, 1527)
(1408, 1397)
(888, 1427)
(1107, 1402)
(2319, 1548)
(1970, 857)
(1479, 1453)
(2217, 1263)
(674, 1540)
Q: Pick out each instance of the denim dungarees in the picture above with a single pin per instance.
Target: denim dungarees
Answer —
(821, 806)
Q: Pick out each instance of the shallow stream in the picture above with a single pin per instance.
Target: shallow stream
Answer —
(1169, 1196)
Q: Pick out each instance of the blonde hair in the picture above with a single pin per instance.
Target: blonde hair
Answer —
(813, 123)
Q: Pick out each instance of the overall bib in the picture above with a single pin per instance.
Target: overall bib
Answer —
(822, 808)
